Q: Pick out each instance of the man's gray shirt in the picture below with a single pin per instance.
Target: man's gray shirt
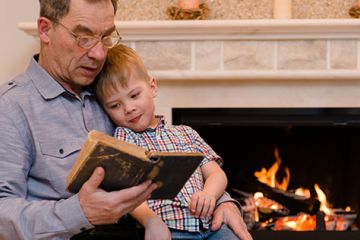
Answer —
(42, 129)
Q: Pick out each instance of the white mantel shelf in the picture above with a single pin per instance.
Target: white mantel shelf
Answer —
(231, 29)
(261, 29)
(263, 75)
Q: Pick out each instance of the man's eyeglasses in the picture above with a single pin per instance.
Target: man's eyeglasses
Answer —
(88, 42)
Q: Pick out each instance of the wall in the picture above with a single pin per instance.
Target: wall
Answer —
(16, 47)
(236, 9)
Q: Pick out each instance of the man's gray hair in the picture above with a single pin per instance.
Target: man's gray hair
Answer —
(56, 9)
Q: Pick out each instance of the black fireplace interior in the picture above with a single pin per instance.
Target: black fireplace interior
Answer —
(318, 145)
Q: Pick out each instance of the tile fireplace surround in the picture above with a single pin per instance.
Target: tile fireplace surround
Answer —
(248, 63)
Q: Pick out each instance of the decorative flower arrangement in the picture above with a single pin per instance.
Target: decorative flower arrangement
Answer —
(188, 10)
(354, 11)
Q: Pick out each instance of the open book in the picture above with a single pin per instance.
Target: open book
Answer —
(127, 165)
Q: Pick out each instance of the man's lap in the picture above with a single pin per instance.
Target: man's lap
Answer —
(224, 233)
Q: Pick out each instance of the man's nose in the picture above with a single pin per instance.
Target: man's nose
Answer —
(98, 52)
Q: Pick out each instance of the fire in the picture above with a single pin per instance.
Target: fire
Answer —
(324, 205)
(303, 192)
(268, 177)
(266, 203)
(302, 221)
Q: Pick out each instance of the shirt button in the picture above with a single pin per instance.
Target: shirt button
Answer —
(61, 151)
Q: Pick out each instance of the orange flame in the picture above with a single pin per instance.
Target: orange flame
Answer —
(268, 177)
(301, 222)
(324, 205)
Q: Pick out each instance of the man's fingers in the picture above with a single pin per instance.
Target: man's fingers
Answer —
(138, 193)
(95, 179)
(216, 220)
(134, 196)
(144, 188)
(234, 220)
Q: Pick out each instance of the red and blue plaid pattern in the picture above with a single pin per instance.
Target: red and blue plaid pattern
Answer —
(170, 138)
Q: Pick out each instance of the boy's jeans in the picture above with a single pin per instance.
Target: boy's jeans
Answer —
(224, 233)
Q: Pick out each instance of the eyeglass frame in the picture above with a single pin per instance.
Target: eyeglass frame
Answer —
(98, 39)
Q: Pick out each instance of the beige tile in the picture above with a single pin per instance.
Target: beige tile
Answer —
(343, 54)
(309, 54)
(161, 55)
(129, 10)
(321, 8)
(208, 55)
(244, 9)
(248, 55)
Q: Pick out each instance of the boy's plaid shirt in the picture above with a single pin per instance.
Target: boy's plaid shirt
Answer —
(169, 138)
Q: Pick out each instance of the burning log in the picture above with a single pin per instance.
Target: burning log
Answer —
(295, 203)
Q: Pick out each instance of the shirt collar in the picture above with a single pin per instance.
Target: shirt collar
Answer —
(47, 86)
(161, 123)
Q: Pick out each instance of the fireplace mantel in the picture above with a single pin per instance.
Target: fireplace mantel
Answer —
(231, 29)
(173, 50)
(270, 30)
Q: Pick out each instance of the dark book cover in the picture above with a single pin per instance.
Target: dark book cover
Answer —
(127, 165)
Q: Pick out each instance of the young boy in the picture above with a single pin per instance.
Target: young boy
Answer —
(126, 92)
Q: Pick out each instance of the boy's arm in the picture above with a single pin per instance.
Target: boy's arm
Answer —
(202, 203)
(155, 228)
(215, 179)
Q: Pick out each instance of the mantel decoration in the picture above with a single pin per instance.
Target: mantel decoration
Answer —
(354, 11)
(189, 10)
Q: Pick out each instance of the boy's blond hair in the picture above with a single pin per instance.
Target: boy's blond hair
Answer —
(122, 63)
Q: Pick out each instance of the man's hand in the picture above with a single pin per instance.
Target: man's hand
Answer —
(229, 214)
(101, 207)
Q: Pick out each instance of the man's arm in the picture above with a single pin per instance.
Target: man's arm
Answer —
(27, 208)
(20, 216)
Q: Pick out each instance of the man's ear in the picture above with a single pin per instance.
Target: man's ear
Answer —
(44, 25)
(153, 86)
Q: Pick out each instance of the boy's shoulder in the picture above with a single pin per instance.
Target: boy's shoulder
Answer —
(179, 127)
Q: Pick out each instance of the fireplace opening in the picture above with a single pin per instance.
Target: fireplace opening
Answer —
(317, 145)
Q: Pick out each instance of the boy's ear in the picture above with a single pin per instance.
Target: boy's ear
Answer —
(43, 27)
(153, 86)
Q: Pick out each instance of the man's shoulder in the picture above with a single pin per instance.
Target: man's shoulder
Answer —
(15, 87)
(14, 92)
(4, 88)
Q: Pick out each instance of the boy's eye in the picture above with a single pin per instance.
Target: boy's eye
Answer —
(114, 106)
(135, 95)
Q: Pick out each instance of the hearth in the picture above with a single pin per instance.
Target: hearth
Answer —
(318, 145)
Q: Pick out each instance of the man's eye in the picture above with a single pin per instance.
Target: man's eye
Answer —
(86, 41)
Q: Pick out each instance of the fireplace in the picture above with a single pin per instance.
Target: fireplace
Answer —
(318, 145)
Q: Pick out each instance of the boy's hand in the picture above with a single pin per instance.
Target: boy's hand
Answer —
(156, 229)
(202, 204)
